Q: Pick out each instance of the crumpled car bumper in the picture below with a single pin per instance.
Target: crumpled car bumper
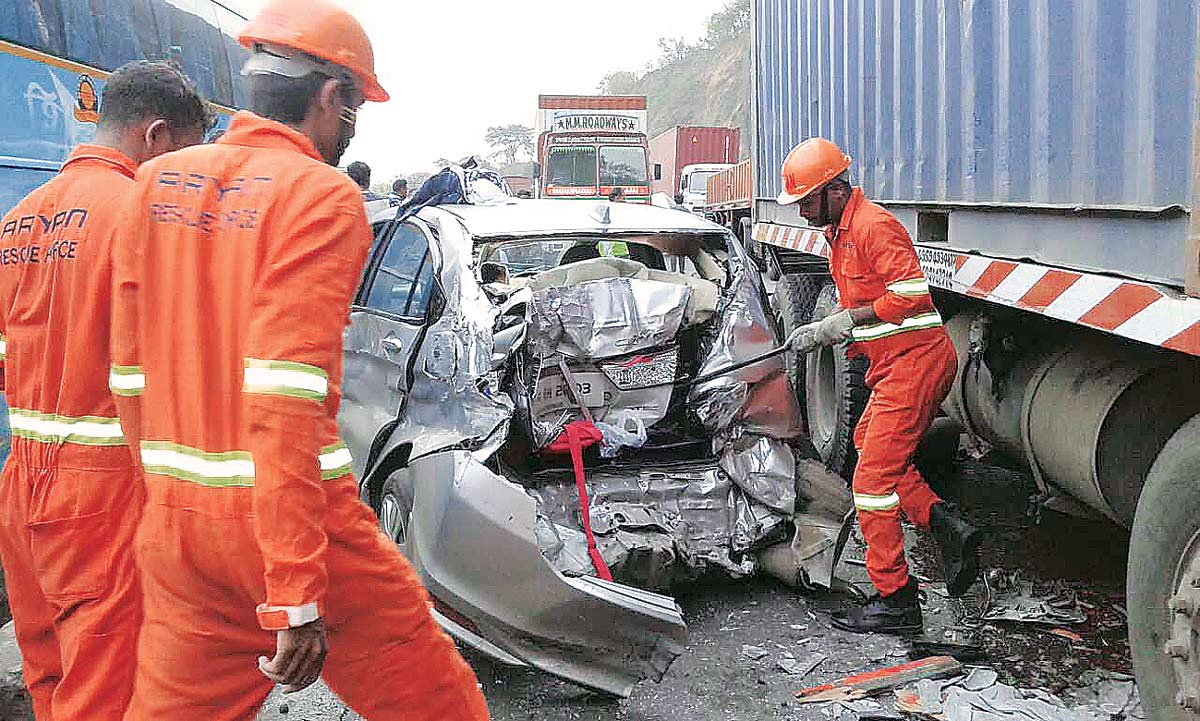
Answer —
(472, 542)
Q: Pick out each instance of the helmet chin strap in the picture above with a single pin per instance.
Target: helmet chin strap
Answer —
(825, 205)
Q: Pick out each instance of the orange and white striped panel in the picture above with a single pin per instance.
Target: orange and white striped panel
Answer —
(804, 240)
(1132, 309)
(1128, 308)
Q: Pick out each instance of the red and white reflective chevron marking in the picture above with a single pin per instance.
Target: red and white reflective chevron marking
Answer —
(804, 240)
(1128, 308)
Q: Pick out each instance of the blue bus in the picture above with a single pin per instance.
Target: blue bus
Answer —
(55, 55)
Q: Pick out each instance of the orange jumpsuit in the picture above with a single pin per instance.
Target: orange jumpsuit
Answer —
(233, 284)
(69, 494)
(913, 364)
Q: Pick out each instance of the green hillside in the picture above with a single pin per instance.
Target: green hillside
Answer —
(703, 84)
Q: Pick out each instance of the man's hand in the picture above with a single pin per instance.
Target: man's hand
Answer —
(803, 339)
(835, 328)
(299, 656)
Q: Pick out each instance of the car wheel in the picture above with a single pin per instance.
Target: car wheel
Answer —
(795, 297)
(1163, 581)
(835, 395)
(395, 508)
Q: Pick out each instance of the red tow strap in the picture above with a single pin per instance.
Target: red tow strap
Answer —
(576, 436)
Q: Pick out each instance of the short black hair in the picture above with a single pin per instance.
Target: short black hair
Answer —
(143, 90)
(398, 184)
(360, 173)
(283, 99)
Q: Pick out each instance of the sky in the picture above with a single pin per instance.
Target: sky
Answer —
(456, 67)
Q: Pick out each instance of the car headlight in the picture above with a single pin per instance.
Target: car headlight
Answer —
(642, 370)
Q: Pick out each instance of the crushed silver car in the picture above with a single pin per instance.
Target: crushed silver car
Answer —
(485, 340)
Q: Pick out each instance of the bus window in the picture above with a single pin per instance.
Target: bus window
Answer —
(572, 166)
(622, 165)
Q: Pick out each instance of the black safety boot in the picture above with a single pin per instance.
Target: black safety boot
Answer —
(958, 544)
(898, 613)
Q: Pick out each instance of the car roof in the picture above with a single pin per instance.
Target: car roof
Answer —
(553, 217)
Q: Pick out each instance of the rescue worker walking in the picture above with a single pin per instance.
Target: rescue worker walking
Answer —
(889, 316)
(69, 495)
(234, 278)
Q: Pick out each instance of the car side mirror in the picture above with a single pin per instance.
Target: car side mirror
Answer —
(658, 171)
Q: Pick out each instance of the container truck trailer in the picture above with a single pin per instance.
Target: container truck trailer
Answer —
(684, 157)
(1043, 156)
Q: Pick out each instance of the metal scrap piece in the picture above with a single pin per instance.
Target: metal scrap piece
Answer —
(607, 317)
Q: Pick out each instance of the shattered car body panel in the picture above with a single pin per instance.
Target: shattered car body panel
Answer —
(603, 635)
(690, 478)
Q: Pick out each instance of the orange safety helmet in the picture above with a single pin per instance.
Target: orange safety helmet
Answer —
(321, 29)
(810, 165)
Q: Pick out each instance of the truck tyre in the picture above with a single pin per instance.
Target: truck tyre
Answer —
(1163, 580)
(795, 298)
(835, 395)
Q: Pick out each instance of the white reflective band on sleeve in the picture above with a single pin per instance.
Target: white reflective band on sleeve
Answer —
(285, 378)
(867, 502)
(223, 469)
(335, 461)
(914, 286)
(53, 428)
(296, 615)
(882, 330)
(126, 380)
(3, 347)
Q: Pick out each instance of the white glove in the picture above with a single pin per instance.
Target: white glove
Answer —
(803, 339)
(835, 328)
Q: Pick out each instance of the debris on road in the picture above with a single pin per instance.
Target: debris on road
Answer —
(1064, 633)
(876, 682)
(1013, 599)
(961, 652)
(979, 696)
(801, 668)
(754, 653)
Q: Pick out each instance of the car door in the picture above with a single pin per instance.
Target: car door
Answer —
(387, 321)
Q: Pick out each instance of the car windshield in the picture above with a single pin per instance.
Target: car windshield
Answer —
(622, 165)
(698, 182)
(573, 166)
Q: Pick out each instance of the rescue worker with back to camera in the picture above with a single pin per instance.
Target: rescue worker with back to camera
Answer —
(260, 564)
(70, 494)
(888, 314)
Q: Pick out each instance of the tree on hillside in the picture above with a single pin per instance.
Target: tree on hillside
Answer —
(621, 82)
(673, 50)
(727, 23)
(511, 140)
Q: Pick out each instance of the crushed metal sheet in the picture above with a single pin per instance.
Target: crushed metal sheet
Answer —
(765, 469)
(607, 317)
(1013, 599)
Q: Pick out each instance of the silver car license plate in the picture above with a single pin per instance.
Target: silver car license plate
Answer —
(553, 395)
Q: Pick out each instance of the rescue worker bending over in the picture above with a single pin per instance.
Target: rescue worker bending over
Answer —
(70, 495)
(234, 279)
(889, 316)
